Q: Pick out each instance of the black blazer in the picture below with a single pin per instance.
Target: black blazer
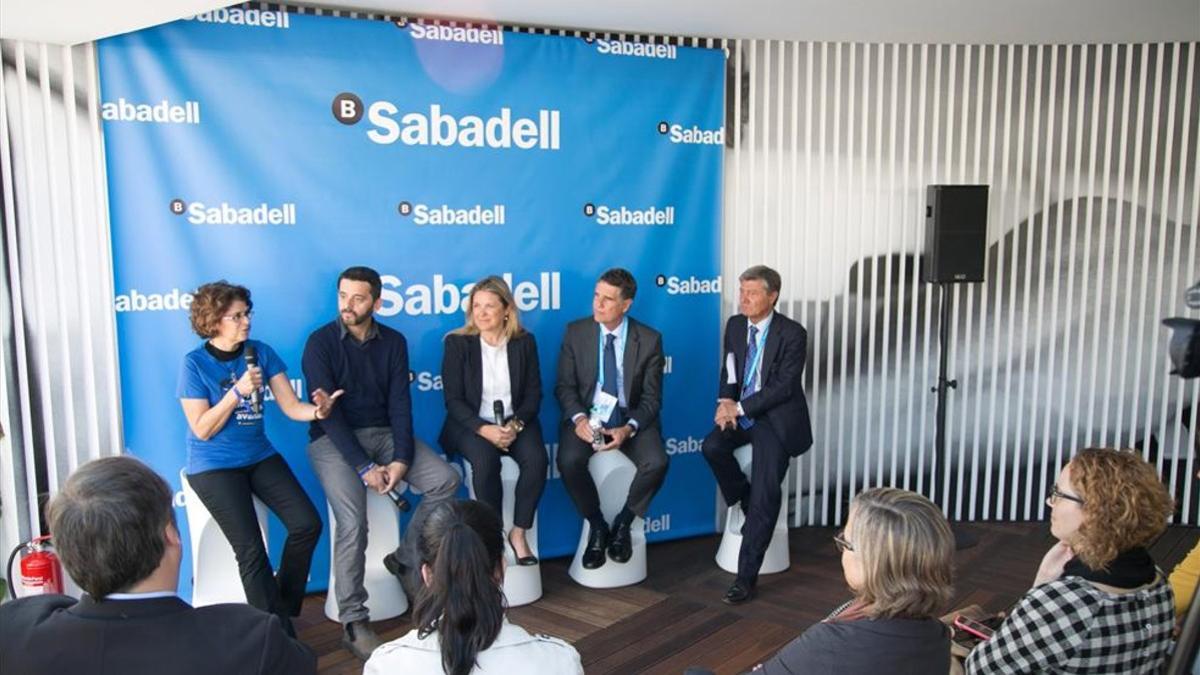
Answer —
(55, 635)
(780, 398)
(642, 368)
(462, 384)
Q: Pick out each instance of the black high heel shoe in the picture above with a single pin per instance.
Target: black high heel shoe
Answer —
(527, 561)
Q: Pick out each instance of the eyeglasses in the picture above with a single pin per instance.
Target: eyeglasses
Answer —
(1056, 494)
(237, 318)
(843, 544)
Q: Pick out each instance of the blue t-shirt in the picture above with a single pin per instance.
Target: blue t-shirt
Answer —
(241, 441)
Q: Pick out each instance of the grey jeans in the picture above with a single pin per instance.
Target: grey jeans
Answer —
(428, 474)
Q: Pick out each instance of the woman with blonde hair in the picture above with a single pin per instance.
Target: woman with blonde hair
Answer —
(493, 388)
(1098, 604)
(898, 559)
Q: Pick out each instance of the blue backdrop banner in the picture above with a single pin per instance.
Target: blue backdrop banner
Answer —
(275, 150)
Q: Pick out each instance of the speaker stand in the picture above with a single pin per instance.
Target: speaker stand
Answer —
(962, 538)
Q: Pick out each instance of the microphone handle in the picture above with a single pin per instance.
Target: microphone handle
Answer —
(399, 500)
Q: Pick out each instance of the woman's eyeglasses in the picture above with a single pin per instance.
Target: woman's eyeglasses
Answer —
(841, 542)
(237, 318)
(1056, 494)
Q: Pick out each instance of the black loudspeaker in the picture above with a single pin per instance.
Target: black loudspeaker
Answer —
(955, 233)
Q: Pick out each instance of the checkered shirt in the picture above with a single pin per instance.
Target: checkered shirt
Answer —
(1070, 626)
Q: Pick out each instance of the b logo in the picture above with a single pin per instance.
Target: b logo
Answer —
(178, 206)
(589, 209)
(404, 208)
(660, 280)
(663, 127)
(347, 108)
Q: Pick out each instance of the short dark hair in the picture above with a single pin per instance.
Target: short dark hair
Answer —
(211, 301)
(622, 279)
(361, 273)
(108, 523)
(765, 274)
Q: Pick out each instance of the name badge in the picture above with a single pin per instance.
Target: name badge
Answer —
(603, 406)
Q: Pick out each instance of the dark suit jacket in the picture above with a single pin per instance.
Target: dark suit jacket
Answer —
(462, 384)
(642, 369)
(780, 398)
(55, 635)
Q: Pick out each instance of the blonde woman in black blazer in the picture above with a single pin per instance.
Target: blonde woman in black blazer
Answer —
(489, 364)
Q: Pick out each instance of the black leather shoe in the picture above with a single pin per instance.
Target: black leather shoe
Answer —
(738, 593)
(523, 561)
(620, 547)
(393, 565)
(593, 555)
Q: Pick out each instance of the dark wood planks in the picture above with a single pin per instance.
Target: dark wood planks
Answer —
(676, 619)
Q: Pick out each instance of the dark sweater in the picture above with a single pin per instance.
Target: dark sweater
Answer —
(374, 375)
(866, 647)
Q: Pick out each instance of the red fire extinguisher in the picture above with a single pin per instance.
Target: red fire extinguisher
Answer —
(41, 573)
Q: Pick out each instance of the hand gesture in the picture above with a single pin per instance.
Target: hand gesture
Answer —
(249, 382)
(324, 402)
(393, 473)
(1052, 563)
(619, 436)
(584, 430)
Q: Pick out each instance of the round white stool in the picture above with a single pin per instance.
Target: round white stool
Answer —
(613, 473)
(777, 558)
(215, 575)
(385, 595)
(522, 585)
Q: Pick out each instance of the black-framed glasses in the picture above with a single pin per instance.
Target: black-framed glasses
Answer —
(843, 544)
(1056, 494)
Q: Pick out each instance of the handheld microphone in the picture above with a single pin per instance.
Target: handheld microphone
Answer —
(498, 411)
(398, 499)
(256, 395)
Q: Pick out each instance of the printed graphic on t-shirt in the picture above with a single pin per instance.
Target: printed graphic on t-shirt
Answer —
(243, 414)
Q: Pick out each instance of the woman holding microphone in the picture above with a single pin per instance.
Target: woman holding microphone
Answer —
(230, 459)
(493, 389)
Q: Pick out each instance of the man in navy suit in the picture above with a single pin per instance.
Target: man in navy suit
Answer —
(114, 529)
(761, 402)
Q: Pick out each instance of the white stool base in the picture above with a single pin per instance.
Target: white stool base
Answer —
(777, 558)
(522, 585)
(613, 473)
(215, 575)
(385, 595)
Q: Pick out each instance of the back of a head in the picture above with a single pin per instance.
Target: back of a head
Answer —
(906, 550)
(109, 523)
(462, 545)
(1125, 504)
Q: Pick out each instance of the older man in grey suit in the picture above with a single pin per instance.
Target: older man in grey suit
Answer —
(610, 373)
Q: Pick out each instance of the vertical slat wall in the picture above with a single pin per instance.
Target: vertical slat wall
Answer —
(60, 404)
(1091, 155)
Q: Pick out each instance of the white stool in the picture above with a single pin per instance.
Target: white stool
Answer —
(777, 558)
(522, 585)
(385, 595)
(215, 575)
(612, 472)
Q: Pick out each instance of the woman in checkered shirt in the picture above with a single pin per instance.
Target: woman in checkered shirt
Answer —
(1099, 604)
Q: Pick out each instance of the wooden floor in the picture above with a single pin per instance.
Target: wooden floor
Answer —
(675, 618)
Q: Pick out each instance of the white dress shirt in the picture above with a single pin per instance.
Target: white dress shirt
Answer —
(497, 383)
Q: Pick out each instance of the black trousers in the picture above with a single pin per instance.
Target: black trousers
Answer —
(528, 451)
(226, 494)
(646, 451)
(769, 465)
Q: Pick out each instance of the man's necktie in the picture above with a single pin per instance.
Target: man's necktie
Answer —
(748, 377)
(610, 377)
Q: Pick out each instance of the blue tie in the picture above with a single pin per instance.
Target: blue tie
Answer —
(610, 377)
(748, 378)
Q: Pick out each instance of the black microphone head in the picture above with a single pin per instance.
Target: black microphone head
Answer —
(251, 355)
(498, 407)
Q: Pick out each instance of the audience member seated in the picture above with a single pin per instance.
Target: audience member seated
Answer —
(114, 530)
(1184, 579)
(1099, 604)
(459, 612)
(898, 559)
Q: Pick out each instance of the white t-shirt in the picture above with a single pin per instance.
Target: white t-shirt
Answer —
(497, 384)
(514, 651)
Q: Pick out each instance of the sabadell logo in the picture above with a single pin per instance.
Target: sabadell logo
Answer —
(436, 126)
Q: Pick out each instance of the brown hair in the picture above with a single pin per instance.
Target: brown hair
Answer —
(211, 301)
(906, 550)
(1125, 505)
(493, 284)
(109, 521)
